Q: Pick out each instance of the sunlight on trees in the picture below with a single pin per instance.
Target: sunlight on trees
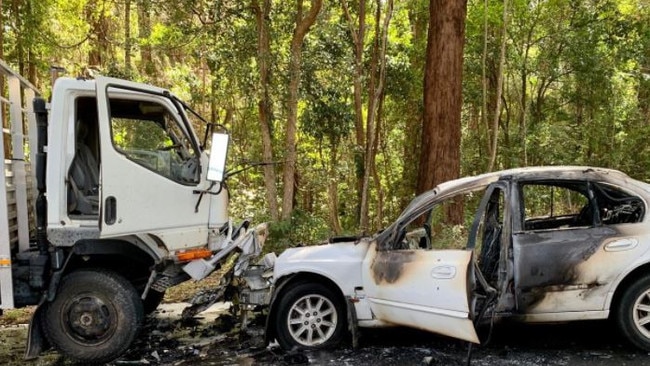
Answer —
(560, 82)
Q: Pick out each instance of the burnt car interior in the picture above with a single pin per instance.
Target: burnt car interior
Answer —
(556, 204)
(432, 229)
(616, 206)
(489, 240)
(549, 205)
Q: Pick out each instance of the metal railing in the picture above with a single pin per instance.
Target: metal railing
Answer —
(17, 197)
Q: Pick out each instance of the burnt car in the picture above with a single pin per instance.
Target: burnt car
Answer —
(538, 244)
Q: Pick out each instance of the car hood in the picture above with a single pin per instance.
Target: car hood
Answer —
(339, 262)
(354, 250)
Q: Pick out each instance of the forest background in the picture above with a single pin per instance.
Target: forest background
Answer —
(332, 91)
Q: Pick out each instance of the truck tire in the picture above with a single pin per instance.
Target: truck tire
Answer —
(633, 313)
(95, 316)
(310, 316)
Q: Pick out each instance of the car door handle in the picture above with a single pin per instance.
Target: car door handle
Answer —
(443, 272)
(621, 245)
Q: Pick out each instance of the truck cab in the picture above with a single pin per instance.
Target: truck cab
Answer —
(116, 198)
(129, 167)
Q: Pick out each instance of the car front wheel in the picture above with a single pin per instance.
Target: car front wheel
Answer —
(633, 313)
(310, 316)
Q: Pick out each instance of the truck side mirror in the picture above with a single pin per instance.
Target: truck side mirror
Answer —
(218, 153)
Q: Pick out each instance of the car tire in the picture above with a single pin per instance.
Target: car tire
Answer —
(310, 316)
(633, 313)
(95, 316)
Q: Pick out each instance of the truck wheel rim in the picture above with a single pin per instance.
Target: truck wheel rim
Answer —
(89, 319)
(641, 313)
(312, 320)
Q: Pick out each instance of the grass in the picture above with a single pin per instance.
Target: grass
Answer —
(186, 290)
(16, 316)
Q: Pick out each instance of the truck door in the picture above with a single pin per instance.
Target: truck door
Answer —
(151, 166)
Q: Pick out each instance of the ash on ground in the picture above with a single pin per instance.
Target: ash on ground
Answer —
(216, 337)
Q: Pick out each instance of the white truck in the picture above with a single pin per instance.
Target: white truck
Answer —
(110, 198)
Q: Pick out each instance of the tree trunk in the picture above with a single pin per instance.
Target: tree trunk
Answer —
(264, 101)
(379, 212)
(96, 18)
(302, 28)
(333, 190)
(127, 36)
(144, 32)
(419, 22)
(375, 90)
(523, 101)
(19, 47)
(440, 158)
(358, 33)
(643, 93)
(497, 108)
(484, 108)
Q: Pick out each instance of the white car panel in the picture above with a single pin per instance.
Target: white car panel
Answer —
(405, 287)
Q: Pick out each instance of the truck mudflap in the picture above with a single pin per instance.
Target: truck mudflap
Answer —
(36, 341)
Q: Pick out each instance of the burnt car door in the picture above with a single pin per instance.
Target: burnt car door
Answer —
(423, 275)
(570, 242)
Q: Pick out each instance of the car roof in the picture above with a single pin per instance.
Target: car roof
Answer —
(534, 172)
(528, 173)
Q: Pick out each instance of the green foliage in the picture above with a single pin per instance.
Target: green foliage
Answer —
(576, 87)
(302, 229)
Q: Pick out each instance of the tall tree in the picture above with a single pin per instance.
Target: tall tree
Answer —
(127, 36)
(440, 157)
(358, 34)
(497, 109)
(303, 23)
(409, 90)
(375, 92)
(99, 27)
(144, 32)
(262, 9)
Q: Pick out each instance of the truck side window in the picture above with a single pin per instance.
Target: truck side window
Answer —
(148, 134)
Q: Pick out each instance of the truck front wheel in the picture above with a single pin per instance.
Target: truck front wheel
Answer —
(95, 316)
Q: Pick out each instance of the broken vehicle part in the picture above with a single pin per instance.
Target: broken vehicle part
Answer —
(235, 262)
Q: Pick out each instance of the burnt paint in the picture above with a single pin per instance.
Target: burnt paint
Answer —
(548, 261)
(388, 266)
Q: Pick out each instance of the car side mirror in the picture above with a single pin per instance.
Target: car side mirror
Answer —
(218, 154)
